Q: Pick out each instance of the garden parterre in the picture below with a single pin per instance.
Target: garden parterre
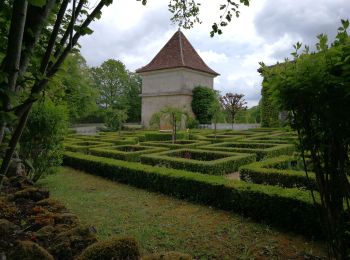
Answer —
(267, 192)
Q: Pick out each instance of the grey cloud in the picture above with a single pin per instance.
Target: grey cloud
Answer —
(302, 20)
(105, 44)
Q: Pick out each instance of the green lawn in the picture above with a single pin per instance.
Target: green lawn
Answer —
(162, 223)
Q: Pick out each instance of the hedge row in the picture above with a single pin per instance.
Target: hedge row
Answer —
(155, 136)
(218, 139)
(120, 140)
(84, 146)
(270, 172)
(117, 152)
(290, 209)
(178, 144)
(269, 139)
(262, 150)
(208, 162)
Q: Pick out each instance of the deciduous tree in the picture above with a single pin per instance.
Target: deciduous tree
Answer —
(233, 103)
(37, 36)
(315, 89)
(174, 116)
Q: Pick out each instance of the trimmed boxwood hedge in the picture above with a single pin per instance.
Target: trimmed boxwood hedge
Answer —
(287, 208)
(116, 152)
(120, 140)
(225, 163)
(178, 145)
(214, 140)
(270, 172)
(84, 146)
(262, 150)
(156, 136)
(270, 139)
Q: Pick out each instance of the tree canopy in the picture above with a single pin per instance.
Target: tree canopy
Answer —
(315, 88)
(202, 99)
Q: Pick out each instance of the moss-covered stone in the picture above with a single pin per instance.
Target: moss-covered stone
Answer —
(51, 204)
(7, 228)
(19, 182)
(8, 209)
(114, 248)
(66, 218)
(69, 244)
(31, 193)
(168, 256)
(27, 250)
(45, 233)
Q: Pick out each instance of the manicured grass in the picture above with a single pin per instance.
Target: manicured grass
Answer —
(161, 223)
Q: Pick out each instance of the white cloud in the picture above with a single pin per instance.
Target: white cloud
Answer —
(265, 31)
(212, 57)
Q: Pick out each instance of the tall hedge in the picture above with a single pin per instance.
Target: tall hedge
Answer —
(269, 111)
(203, 97)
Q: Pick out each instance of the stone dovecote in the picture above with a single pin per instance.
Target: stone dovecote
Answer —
(168, 80)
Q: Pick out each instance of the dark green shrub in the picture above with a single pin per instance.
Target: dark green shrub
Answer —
(270, 172)
(192, 123)
(84, 146)
(41, 143)
(115, 119)
(209, 162)
(262, 150)
(118, 140)
(156, 136)
(178, 144)
(133, 154)
(113, 248)
(203, 97)
(287, 208)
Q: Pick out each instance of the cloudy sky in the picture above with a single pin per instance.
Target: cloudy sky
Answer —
(265, 31)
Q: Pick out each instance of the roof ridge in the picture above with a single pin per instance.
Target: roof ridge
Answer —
(181, 50)
(177, 52)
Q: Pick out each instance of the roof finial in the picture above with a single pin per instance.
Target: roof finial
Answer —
(179, 29)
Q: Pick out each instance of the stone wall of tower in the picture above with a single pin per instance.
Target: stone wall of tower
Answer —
(170, 87)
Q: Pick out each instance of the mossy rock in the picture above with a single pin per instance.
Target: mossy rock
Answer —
(42, 217)
(114, 248)
(7, 228)
(27, 250)
(45, 234)
(8, 209)
(66, 218)
(31, 193)
(172, 255)
(19, 182)
(71, 243)
(52, 205)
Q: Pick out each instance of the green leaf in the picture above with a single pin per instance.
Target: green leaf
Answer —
(37, 3)
(345, 23)
(86, 30)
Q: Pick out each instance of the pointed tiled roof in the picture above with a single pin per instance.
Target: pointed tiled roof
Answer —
(177, 52)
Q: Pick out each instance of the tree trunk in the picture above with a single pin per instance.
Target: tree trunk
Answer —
(215, 130)
(37, 17)
(2, 132)
(12, 145)
(13, 55)
(174, 129)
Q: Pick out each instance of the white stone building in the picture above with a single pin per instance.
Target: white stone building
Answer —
(168, 80)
